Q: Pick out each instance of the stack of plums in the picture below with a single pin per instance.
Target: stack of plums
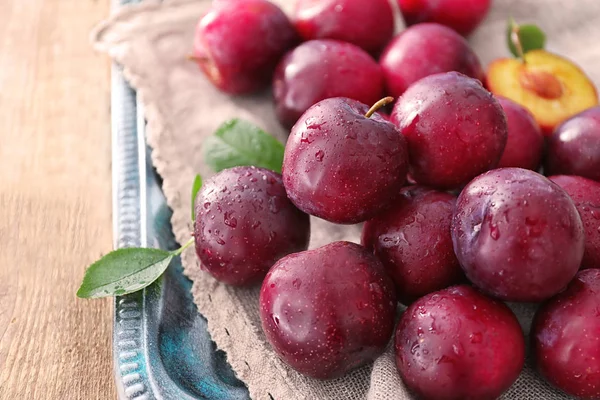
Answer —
(457, 216)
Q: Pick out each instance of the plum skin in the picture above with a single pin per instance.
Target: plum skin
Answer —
(585, 193)
(245, 223)
(238, 44)
(329, 310)
(368, 24)
(517, 235)
(412, 240)
(525, 143)
(320, 69)
(454, 128)
(463, 16)
(566, 337)
(423, 50)
(574, 146)
(342, 166)
(458, 344)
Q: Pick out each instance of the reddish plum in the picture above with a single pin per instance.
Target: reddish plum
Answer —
(586, 196)
(320, 69)
(238, 44)
(413, 242)
(341, 165)
(525, 142)
(245, 223)
(369, 24)
(461, 15)
(329, 310)
(424, 50)
(566, 337)
(517, 235)
(454, 128)
(457, 344)
(574, 147)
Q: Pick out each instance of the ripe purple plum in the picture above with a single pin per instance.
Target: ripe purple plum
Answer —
(238, 44)
(574, 147)
(525, 143)
(329, 310)
(461, 15)
(369, 24)
(517, 235)
(245, 223)
(424, 50)
(566, 337)
(413, 242)
(585, 193)
(320, 69)
(458, 344)
(454, 128)
(341, 165)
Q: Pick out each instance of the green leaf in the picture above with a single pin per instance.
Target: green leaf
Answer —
(238, 142)
(195, 189)
(530, 36)
(124, 271)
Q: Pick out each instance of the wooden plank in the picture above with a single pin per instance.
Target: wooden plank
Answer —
(55, 199)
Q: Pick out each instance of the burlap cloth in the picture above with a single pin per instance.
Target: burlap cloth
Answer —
(152, 40)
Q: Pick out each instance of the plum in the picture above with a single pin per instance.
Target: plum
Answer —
(566, 337)
(369, 24)
(517, 235)
(245, 223)
(320, 69)
(238, 44)
(585, 193)
(329, 310)
(412, 240)
(454, 128)
(458, 344)
(424, 50)
(525, 142)
(574, 147)
(341, 165)
(461, 15)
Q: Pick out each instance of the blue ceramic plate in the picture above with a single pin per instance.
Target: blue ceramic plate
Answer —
(161, 347)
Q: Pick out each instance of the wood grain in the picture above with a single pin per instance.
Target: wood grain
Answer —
(55, 193)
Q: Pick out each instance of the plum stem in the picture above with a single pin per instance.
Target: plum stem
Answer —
(182, 248)
(381, 103)
(514, 37)
(193, 57)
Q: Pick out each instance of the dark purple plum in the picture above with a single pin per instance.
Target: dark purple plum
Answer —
(329, 310)
(454, 128)
(342, 166)
(461, 15)
(369, 24)
(320, 69)
(586, 196)
(412, 240)
(238, 44)
(424, 50)
(574, 147)
(245, 223)
(517, 235)
(457, 344)
(525, 143)
(566, 337)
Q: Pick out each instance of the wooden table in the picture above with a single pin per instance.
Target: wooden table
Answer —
(55, 201)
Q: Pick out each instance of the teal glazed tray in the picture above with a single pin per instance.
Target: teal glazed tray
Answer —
(161, 346)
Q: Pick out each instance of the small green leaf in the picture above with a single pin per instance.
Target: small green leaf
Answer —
(530, 36)
(195, 189)
(124, 271)
(238, 142)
